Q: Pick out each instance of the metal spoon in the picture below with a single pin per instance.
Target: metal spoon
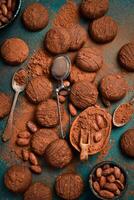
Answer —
(114, 115)
(60, 71)
(18, 89)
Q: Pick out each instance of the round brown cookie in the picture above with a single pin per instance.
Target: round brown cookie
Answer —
(83, 94)
(41, 139)
(127, 142)
(126, 56)
(5, 105)
(14, 51)
(78, 37)
(35, 17)
(94, 8)
(18, 178)
(103, 30)
(39, 89)
(69, 186)
(47, 113)
(79, 75)
(57, 40)
(58, 153)
(89, 59)
(38, 191)
(113, 87)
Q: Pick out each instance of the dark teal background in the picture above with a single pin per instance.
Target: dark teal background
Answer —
(123, 12)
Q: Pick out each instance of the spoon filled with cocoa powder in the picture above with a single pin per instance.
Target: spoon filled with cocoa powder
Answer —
(19, 82)
(123, 113)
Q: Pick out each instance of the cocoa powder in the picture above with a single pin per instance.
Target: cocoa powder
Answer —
(67, 16)
(21, 77)
(123, 113)
(40, 63)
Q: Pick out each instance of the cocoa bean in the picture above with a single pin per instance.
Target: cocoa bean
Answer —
(102, 181)
(33, 159)
(9, 4)
(62, 99)
(100, 121)
(106, 166)
(119, 184)
(31, 126)
(24, 134)
(122, 178)
(72, 110)
(98, 136)
(117, 192)
(106, 194)
(25, 155)
(99, 172)
(96, 186)
(108, 171)
(36, 169)
(112, 187)
(4, 9)
(23, 142)
(111, 178)
(117, 172)
(3, 19)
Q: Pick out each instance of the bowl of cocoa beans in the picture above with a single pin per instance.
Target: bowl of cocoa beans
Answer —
(108, 180)
(9, 10)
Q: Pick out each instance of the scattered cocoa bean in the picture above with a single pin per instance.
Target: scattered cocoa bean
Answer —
(108, 171)
(64, 93)
(96, 186)
(111, 178)
(72, 110)
(117, 172)
(24, 134)
(25, 154)
(98, 136)
(66, 83)
(106, 194)
(62, 99)
(33, 159)
(31, 126)
(100, 121)
(112, 187)
(119, 184)
(99, 172)
(36, 169)
(23, 142)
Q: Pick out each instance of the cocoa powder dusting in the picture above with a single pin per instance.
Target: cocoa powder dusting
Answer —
(40, 63)
(67, 16)
(23, 113)
(123, 113)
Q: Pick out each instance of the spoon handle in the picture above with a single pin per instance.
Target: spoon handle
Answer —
(9, 127)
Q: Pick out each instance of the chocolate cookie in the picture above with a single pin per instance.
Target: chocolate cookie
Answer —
(96, 124)
(126, 56)
(89, 59)
(127, 142)
(39, 89)
(18, 178)
(83, 94)
(14, 51)
(93, 9)
(79, 75)
(69, 186)
(103, 30)
(113, 87)
(38, 191)
(78, 37)
(35, 17)
(47, 113)
(57, 40)
(5, 105)
(58, 153)
(41, 139)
